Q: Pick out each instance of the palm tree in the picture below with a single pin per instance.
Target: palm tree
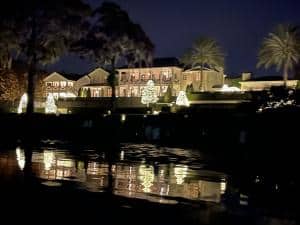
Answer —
(281, 49)
(205, 52)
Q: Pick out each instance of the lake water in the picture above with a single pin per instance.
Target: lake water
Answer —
(158, 175)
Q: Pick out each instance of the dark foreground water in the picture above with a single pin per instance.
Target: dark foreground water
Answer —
(135, 184)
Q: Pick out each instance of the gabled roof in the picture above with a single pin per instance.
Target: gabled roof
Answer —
(98, 70)
(165, 62)
(197, 69)
(54, 77)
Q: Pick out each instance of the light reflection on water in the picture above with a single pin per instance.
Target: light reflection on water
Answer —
(138, 171)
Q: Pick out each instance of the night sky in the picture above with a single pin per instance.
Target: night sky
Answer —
(239, 26)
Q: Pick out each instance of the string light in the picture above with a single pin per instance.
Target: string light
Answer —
(50, 106)
(182, 100)
(149, 94)
(23, 103)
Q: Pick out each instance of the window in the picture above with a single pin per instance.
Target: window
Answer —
(134, 76)
(63, 84)
(184, 77)
(124, 76)
(70, 84)
(166, 75)
(164, 89)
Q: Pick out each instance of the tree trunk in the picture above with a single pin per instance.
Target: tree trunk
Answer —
(285, 74)
(32, 69)
(201, 80)
(9, 63)
(113, 85)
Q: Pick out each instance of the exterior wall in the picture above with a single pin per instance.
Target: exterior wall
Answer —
(83, 81)
(98, 76)
(59, 86)
(208, 81)
(99, 91)
(133, 80)
(265, 85)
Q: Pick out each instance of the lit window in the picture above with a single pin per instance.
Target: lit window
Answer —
(70, 84)
(164, 89)
(63, 83)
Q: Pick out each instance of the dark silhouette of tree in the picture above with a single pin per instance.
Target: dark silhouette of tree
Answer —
(205, 52)
(168, 95)
(281, 49)
(44, 31)
(140, 50)
(114, 38)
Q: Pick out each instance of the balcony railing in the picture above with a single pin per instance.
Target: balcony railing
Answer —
(145, 80)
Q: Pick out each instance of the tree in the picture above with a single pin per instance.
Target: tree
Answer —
(44, 30)
(189, 89)
(9, 86)
(149, 94)
(8, 44)
(88, 93)
(281, 49)
(140, 47)
(168, 95)
(182, 99)
(206, 52)
(50, 106)
(114, 38)
(80, 92)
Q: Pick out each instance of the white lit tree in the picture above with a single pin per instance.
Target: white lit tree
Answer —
(50, 106)
(149, 94)
(23, 103)
(182, 100)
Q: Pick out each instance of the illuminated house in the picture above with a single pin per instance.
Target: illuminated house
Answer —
(96, 83)
(264, 83)
(61, 86)
(132, 81)
(165, 73)
(205, 82)
(68, 86)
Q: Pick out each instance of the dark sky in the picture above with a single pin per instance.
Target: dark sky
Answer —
(239, 26)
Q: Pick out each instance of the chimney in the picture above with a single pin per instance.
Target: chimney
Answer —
(246, 76)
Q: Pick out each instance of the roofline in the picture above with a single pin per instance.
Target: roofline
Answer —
(56, 73)
(137, 68)
(261, 81)
(98, 68)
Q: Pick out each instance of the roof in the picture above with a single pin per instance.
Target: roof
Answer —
(55, 74)
(70, 76)
(96, 70)
(267, 78)
(165, 62)
(157, 62)
(197, 69)
(96, 85)
(64, 76)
